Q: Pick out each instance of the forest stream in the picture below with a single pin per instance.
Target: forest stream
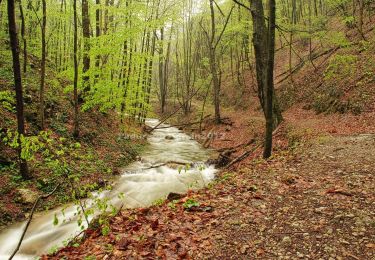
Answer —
(140, 184)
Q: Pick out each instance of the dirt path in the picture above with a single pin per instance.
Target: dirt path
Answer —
(316, 205)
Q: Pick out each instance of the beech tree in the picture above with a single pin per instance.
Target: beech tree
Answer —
(86, 44)
(43, 64)
(75, 81)
(213, 39)
(24, 172)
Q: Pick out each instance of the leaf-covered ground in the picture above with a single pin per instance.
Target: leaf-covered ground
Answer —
(315, 201)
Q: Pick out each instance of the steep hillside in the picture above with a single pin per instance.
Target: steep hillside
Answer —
(103, 146)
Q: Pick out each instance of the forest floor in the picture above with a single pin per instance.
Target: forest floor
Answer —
(314, 199)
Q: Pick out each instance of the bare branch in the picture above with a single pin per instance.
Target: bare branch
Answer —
(242, 5)
(30, 218)
(225, 26)
(218, 7)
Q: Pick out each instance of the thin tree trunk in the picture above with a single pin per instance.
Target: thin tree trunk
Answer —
(97, 34)
(161, 71)
(86, 45)
(270, 85)
(360, 18)
(23, 28)
(75, 82)
(24, 172)
(43, 65)
(213, 66)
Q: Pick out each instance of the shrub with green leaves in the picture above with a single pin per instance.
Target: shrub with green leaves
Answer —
(7, 100)
(340, 66)
(190, 203)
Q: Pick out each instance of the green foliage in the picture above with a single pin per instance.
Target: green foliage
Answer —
(190, 203)
(340, 66)
(349, 21)
(55, 220)
(333, 4)
(53, 250)
(172, 204)
(158, 202)
(7, 100)
(333, 38)
(328, 100)
(90, 257)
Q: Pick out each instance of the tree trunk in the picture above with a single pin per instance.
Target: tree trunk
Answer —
(264, 46)
(269, 91)
(75, 81)
(161, 72)
(360, 18)
(86, 45)
(24, 172)
(213, 66)
(97, 34)
(216, 84)
(43, 65)
(23, 28)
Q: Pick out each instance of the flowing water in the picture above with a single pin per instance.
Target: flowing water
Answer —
(141, 184)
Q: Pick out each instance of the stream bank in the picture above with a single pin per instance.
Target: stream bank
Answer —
(98, 158)
(145, 182)
(312, 200)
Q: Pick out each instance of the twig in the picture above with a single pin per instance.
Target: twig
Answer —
(241, 4)
(74, 190)
(30, 218)
(218, 7)
(237, 146)
(225, 26)
(247, 153)
(163, 164)
(173, 113)
(242, 156)
(180, 125)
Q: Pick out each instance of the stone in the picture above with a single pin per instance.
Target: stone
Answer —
(27, 196)
(320, 209)
(286, 241)
(169, 137)
(174, 196)
(244, 249)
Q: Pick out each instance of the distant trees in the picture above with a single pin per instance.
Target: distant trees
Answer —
(186, 61)
(136, 53)
(24, 172)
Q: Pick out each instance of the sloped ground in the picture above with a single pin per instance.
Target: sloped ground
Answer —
(319, 205)
(314, 203)
(102, 151)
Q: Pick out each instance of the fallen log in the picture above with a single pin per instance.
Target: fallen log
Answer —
(237, 146)
(242, 156)
(181, 125)
(166, 163)
(247, 153)
(173, 113)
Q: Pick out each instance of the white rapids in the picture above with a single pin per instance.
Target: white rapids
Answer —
(139, 185)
